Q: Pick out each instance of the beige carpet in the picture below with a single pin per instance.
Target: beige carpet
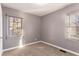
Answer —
(38, 49)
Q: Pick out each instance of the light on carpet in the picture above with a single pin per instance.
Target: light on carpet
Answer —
(20, 41)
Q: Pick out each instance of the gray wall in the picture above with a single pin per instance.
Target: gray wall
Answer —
(31, 27)
(53, 28)
(1, 30)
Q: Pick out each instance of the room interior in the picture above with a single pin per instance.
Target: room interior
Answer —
(33, 29)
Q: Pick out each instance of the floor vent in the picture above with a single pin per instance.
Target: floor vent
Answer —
(63, 51)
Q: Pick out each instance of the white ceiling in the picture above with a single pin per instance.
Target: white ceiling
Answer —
(36, 9)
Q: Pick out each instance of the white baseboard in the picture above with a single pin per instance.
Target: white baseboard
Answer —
(18, 46)
(32, 43)
(10, 49)
(75, 53)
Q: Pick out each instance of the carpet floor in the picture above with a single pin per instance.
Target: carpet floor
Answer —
(38, 49)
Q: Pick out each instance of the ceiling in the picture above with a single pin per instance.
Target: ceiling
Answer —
(36, 8)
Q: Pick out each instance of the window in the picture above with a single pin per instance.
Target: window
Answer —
(14, 26)
(72, 27)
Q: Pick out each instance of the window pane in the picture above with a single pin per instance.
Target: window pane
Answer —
(19, 20)
(72, 27)
(15, 26)
(19, 24)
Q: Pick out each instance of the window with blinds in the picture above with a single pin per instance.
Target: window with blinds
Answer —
(72, 27)
(14, 26)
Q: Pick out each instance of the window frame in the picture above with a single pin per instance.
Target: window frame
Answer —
(69, 25)
(8, 24)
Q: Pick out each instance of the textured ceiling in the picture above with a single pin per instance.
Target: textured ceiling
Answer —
(36, 9)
